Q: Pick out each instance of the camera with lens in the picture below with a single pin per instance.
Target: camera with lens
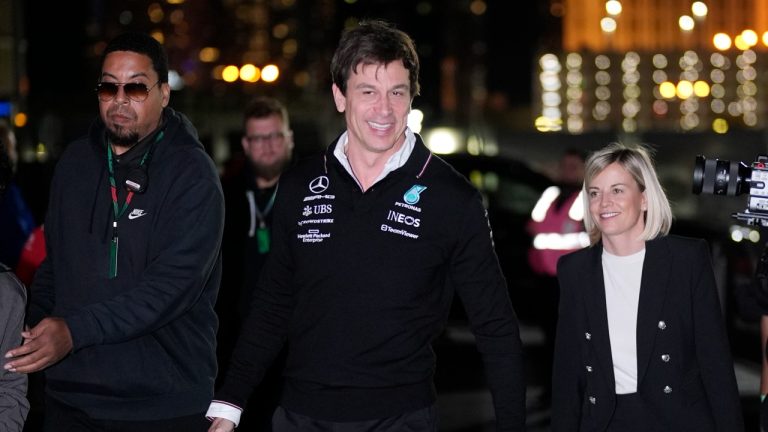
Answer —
(732, 178)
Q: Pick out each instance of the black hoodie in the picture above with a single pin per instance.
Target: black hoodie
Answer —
(144, 342)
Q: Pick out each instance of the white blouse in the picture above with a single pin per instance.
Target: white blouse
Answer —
(622, 276)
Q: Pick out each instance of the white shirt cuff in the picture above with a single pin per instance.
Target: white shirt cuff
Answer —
(224, 410)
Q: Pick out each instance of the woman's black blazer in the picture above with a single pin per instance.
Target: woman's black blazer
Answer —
(684, 364)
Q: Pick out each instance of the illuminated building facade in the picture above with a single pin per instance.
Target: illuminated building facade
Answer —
(636, 65)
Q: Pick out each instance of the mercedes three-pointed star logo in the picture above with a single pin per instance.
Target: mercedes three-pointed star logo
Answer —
(319, 184)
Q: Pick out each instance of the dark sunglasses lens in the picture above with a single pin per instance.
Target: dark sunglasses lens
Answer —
(136, 91)
(106, 91)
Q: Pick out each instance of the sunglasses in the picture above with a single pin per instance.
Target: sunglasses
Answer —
(137, 92)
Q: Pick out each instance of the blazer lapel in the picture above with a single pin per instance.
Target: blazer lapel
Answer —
(597, 314)
(653, 290)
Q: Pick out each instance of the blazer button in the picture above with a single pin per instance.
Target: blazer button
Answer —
(592, 400)
(588, 336)
(665, 358)
(589, 368)
(667, 389)
(662, 325)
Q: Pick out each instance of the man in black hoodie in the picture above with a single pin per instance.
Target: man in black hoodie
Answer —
(121, 310)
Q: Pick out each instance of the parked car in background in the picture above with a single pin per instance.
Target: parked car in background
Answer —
(510, 190)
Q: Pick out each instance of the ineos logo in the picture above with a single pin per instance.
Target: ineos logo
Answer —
(319, 185)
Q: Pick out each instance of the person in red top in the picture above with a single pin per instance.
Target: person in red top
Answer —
(31, 256)
(556, 227)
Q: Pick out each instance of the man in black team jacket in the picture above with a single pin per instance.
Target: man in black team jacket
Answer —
(122, 307)
(370, 240)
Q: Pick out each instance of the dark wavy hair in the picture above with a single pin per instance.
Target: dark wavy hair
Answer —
(140, 43)
(374, 42)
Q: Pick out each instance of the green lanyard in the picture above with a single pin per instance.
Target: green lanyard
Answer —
(262, 231)
(117, 210)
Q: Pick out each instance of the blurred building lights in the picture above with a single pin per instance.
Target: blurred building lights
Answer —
(20, 120)
(631, 93)
(686, 23)
(549, 78)
(546, 124)
(159, 36)
(250, 73)
(574, 81)
(740, 43)
(750, 37)
(280, 31)
(208, 54)
(684, 89)
(608, 25)
(660, 61)
(710, 78)
(290, 47)
(230, 73)
(175, 2)
(269, 73)
(699, 9)
(717, 105)
(660, 108)
(478, 7)
(721, 41)
(177, 18)
(301, 78)
(613, 7)
(155, 13)
(701, 89)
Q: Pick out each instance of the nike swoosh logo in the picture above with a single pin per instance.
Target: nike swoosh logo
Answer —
(136, 215)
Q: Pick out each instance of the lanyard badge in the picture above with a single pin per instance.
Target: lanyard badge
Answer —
(260, 216)
(117, 210)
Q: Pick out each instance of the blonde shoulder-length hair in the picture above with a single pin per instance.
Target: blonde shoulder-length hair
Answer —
(637, 160)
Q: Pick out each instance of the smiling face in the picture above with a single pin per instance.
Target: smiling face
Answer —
(128, 121)
(376, 107)
(617, 205)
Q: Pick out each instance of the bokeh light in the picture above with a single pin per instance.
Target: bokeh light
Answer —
(721, 41)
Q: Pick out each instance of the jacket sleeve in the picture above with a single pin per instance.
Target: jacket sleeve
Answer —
(13, 386)
(185, 247)
(478, 280)
(712, 348)
(566, 369)
(269, 315)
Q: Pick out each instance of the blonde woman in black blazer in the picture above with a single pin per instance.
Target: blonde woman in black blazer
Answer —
(641, 344)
